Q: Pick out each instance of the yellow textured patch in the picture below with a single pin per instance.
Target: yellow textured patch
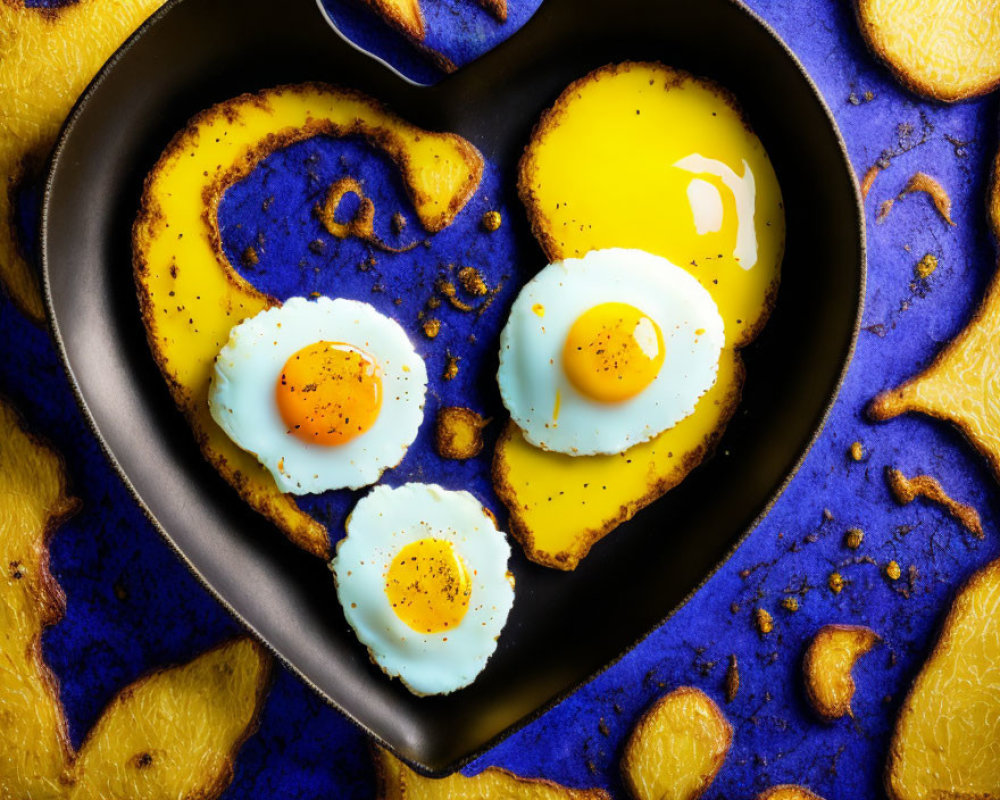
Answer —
(191, 296)
(962, 385)
(677, 748)
(171, 734)
(922, 182)
(397, 781)
(827, 667)
(47, 58)
(498, 8)
(788, 791)
(174, 733)
(945, 49)
(404, 15)
(560, 505)
(33, 501)
(947, 738)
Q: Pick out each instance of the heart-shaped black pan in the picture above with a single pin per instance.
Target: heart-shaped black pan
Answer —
(565, 626)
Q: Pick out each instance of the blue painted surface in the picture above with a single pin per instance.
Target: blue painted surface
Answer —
(132, 606)
(297, 257)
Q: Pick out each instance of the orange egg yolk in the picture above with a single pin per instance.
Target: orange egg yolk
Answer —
(329, 393)
(428, 586)
(613, 352)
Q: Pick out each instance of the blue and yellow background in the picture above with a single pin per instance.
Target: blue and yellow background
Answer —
(132, 606)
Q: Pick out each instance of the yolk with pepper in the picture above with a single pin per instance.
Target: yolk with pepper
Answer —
(329, 393)
(613, 351)
(428, 585)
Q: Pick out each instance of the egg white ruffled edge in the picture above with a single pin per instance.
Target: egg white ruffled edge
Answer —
(379, 526)
(537, 364)
(351, 465)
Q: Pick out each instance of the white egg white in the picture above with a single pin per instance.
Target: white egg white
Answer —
(542, 401)
(381, 524)
(242, 393)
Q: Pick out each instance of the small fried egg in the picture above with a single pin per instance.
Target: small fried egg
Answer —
(327, 394)
(604, 352)
(422, 577)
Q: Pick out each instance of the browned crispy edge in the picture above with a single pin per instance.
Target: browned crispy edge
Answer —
(567, 791)
(639, 731)
(263, 684)
(788, 791)
(392, 17)
(387, 781)
(149, 211)
(890, 403)
(551, 118)
(565, 561)
(931, 186)
(910, 81)
(390, 779)
(991, 572)
(51, 597)
(906, 490)
(868, 179)
(993, 199)
(15, 180)
(444, 435)
(732, 679)
(49, 12)
(811, 675)
(498, 8)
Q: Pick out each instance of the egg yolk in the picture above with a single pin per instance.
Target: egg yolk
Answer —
(428, 586)
(613, 352)
(329, 393)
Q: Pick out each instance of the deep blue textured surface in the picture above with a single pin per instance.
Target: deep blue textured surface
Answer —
(290, 184)
(132, 606)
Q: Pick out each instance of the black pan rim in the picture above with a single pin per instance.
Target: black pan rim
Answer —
(53, 326)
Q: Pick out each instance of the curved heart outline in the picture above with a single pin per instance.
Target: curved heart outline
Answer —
(223, 548)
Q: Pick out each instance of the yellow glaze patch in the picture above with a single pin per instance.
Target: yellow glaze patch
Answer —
(458, 433)
(47, 58)
(34, 745)
(678, 747)
(397, 781)
(947, 738)
(561, 505)
(191, 296)
(827, 667)
(641, 155)
(174, 733)
(945, 49)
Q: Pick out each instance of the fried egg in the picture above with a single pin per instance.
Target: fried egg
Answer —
(606, 351)
(327, 394)
(422, 577)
